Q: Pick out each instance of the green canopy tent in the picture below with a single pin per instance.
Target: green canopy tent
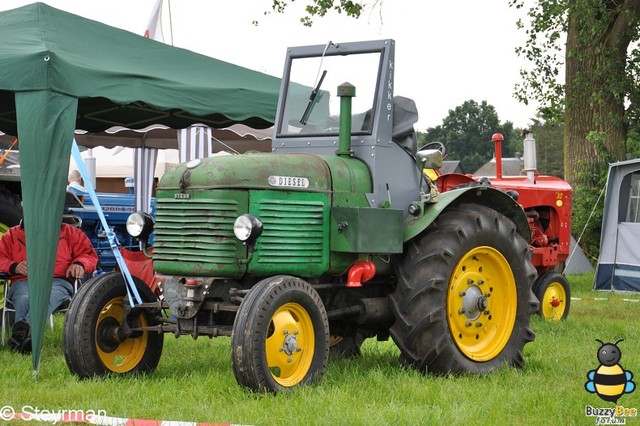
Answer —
(60, 72)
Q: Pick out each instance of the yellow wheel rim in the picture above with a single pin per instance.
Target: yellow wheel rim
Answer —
(290, 344)
(554, 302)
(482, 303)
(118, 357)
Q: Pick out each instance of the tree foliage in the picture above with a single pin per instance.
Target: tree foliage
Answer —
(545, 28)
(466, 133)
(319, 8)
(607, 27)
(596, 42)
(549, 146)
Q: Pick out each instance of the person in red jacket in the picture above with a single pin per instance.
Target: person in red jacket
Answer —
(75, 258)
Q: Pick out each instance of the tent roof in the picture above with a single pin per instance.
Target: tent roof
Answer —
(60, 72)
(510, 167)
(163, 137)
(121, 78)
(619, 261)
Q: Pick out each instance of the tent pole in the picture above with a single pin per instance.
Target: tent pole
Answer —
(170, 22)
(586, 224)
(615, 257)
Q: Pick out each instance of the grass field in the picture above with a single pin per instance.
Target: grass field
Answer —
(195, 382)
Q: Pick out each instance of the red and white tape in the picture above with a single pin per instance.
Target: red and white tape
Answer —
(71, 416)
(615, 299)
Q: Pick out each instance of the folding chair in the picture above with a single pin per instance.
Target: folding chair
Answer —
(8, 313)
(65, 306)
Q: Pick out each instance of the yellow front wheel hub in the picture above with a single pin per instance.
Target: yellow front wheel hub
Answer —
(118, 356)
(290, 344)
(554, 302)
(482, 303)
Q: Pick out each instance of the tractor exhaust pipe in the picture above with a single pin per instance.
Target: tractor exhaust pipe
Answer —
(497, 139)
(530, 166)
(346, 91)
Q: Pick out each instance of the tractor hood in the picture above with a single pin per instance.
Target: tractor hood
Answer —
(304, 172)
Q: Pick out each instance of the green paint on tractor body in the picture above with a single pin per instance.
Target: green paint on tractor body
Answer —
(292, 194)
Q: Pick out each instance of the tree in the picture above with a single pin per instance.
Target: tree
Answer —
(319, 8)
(599, 99)
(466, 133)
(549, 147)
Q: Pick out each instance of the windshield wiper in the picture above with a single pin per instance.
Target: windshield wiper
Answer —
(312, 100)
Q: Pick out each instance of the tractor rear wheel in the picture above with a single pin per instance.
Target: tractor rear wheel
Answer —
(553, 291)
(463, 299)
(280, 336)
(93, 343)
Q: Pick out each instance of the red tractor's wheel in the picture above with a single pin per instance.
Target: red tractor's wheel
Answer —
(280, 337)
(553, 291)
(93, 343)
(463, 299)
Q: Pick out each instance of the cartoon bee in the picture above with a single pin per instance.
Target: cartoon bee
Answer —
(609, 381)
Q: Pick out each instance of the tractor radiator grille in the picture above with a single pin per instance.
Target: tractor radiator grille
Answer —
(196, 230)
(293, 232)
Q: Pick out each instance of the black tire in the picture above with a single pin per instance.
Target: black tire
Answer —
(93, 315)
(463, 299)
(280, 336)
(553, 291)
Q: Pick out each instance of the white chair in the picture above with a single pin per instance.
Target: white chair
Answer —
(7, 309)
(65, 307)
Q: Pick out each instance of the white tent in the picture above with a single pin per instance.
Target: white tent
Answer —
(119, 163)
(578, 262)
(619, 263)
(197, 141)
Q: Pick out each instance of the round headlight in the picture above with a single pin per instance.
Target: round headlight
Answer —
(139, 225)
(247, 227)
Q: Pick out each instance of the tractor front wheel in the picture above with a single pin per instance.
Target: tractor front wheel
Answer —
(280, 336)
(94, 344)
(553, 292)
(463, 299)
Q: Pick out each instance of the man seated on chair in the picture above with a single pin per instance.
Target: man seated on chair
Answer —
(75, 258)
(75, 183)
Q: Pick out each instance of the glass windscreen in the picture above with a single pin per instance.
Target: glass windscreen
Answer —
(312, 105)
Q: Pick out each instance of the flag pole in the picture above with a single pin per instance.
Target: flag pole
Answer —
(170, 22)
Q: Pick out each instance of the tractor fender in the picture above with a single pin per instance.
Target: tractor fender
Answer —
(484, 195)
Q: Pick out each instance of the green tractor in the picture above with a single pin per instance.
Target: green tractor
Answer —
(334, 237)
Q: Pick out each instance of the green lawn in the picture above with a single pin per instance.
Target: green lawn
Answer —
(195, 382)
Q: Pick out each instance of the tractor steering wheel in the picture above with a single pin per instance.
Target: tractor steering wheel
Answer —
(436, 145)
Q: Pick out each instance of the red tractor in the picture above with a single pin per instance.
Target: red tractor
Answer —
(547, 203)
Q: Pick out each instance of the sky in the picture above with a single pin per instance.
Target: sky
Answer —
(447, 52)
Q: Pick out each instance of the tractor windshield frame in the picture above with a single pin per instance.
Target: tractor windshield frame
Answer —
(308, 108)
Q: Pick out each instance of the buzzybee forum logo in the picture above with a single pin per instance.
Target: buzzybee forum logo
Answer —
(610, 381)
